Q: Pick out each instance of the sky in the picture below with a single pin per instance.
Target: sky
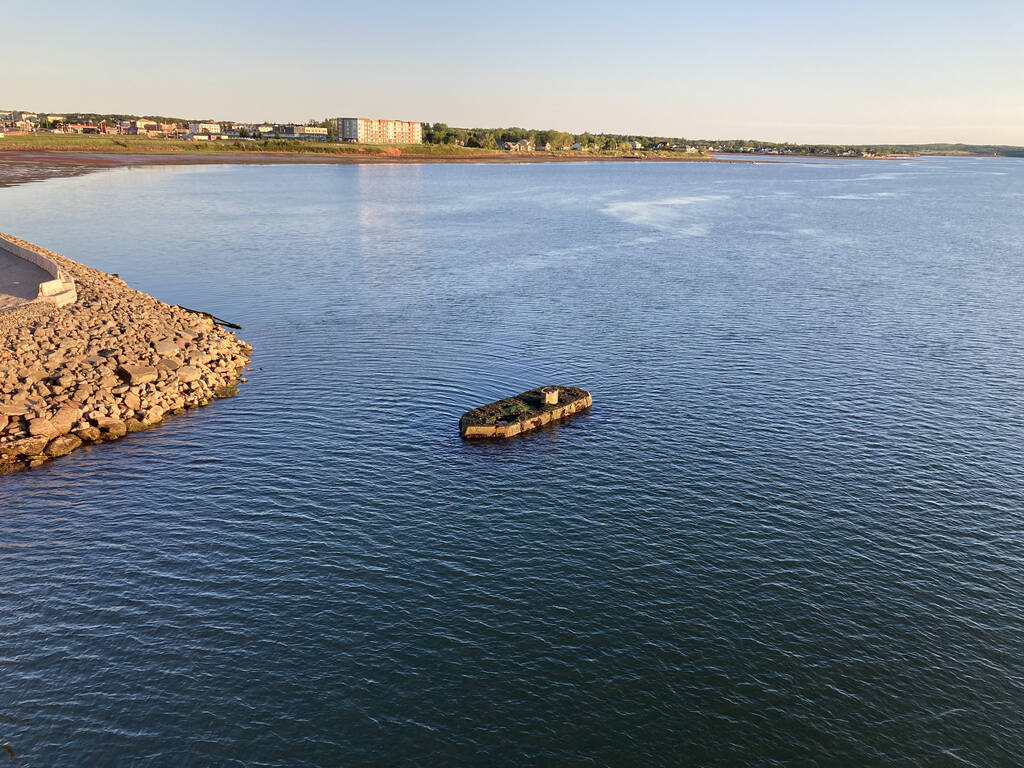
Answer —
(899, 71)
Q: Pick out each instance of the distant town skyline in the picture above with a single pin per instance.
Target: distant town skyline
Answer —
(868, 72)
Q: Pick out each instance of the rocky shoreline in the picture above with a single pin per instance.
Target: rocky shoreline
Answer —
(115, 361)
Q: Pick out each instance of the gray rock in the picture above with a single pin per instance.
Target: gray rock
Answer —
(137, 374)
(62, 446)
(165, 348)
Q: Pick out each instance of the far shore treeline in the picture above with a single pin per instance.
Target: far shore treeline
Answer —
(492, 138)
(441, 136)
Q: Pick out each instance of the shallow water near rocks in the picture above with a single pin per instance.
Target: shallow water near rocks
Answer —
(788, 531)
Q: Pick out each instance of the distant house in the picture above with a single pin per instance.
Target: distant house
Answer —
(304, 132)
(576, 147)
(523, 145)
(143, 127)
(636, 144)
(81, 128)
(544, 146)
(209, 128)
(205, 131)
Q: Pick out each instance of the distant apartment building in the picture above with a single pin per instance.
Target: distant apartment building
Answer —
(366, 130)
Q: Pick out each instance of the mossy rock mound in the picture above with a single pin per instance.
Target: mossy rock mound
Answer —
(522, 413)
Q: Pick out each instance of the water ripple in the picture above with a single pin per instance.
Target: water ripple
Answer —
(788, 531)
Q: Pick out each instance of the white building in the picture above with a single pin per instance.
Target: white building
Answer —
(198, 128)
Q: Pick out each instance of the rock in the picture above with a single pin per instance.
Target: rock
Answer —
(88, 434)
(137, 374)
(134, 425)
(29, 446)
(227, 390)
(165, 348)
(62, 446)
(36, 373)
(41, 427)
(169, 363)
(132, 400)
(188, 373)
(110, 427)
(66, 417)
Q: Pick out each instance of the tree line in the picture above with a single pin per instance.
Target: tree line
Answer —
(495, 138)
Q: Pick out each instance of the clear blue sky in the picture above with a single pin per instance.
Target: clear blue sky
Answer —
(874, 71)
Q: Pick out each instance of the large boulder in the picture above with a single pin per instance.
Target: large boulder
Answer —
(89, 434)
(188, 373)
(110, 427)
(43, 427)
(62, 446)
(137, 374)
(29, 446)
(165, 348)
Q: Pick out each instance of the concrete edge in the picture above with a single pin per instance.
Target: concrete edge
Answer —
(61, 290)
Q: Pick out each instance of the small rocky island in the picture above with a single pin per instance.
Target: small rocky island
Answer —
(524, 413)
(86, 359)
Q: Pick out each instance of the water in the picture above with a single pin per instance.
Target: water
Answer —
(788, 532)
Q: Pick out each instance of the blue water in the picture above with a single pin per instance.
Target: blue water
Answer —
(789, 532)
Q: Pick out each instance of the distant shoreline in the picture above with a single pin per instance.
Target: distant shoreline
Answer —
(168, 151)
(115, 159)
(21, 166)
